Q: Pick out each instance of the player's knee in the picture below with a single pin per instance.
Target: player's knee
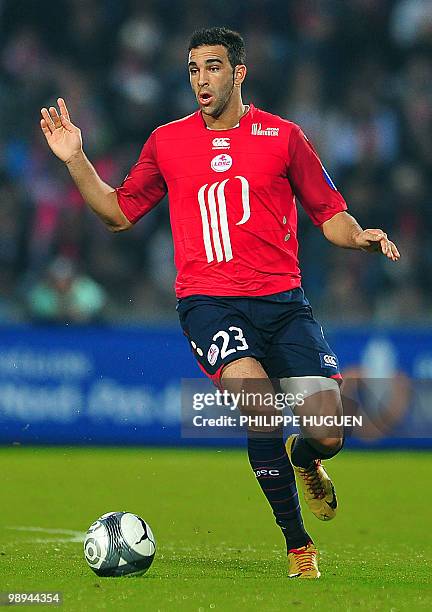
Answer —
(329, 446)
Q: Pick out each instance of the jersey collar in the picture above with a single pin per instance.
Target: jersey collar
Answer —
(245, 120)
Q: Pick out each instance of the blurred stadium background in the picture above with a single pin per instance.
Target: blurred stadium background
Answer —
(90, 348)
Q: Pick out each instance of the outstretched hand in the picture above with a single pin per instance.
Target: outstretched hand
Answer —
(376, 240)
(63, 137)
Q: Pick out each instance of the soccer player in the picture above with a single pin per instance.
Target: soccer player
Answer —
(232, 173)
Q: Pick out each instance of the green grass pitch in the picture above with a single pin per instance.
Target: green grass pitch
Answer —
(217, 545)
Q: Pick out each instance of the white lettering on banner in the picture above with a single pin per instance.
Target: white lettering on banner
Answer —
(106, 400)
(133, 405)
(36, 403)
(43, 364)
(217, 211)
(109, 400)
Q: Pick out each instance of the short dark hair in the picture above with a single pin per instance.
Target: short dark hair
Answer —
(232, 41)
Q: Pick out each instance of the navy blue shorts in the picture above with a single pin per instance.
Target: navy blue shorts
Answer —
(278, 330)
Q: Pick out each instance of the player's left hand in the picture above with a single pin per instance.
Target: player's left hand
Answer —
(375, 240)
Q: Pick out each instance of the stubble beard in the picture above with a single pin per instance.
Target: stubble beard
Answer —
(221, 102)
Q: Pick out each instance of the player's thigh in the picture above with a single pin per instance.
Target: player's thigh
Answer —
(247, 376)
(247, 379)
(301, 356)
(299, 348)
(219, 333)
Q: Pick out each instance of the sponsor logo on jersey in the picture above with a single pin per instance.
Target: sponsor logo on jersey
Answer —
(328, 361)
(221, 163)
(221, 143)
(212, 354)
(257, 130)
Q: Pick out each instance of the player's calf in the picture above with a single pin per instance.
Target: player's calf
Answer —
(266, 450)
(318, 489)
(275, 475)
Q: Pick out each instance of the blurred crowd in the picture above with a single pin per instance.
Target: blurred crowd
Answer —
(356, 75)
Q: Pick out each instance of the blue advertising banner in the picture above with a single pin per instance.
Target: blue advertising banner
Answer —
(66, 385)
(91, 386)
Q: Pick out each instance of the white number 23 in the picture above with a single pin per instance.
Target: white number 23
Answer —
(225, 351)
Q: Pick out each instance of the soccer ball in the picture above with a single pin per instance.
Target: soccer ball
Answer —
(118, 544)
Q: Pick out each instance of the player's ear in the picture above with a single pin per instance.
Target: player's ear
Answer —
(239, 74)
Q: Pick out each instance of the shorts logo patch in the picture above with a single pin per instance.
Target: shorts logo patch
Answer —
(213, 354)
(328, 361)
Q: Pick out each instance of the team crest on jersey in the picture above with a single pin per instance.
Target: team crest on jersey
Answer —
(221, 163)
(257, 130)
(221, 143)
(212, 354)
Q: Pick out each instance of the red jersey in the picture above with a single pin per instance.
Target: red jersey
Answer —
(231, 198)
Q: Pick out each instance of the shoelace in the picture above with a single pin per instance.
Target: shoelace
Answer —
(313, 482)
(305, 559)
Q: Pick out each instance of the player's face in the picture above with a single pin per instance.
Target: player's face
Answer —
(212, 78)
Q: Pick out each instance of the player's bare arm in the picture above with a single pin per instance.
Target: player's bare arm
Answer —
(65, 141)
(344, 231)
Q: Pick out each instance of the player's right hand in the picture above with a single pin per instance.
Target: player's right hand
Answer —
(63, 137)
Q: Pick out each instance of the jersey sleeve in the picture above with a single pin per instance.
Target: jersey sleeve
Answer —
(144, 186)
(310, 181)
